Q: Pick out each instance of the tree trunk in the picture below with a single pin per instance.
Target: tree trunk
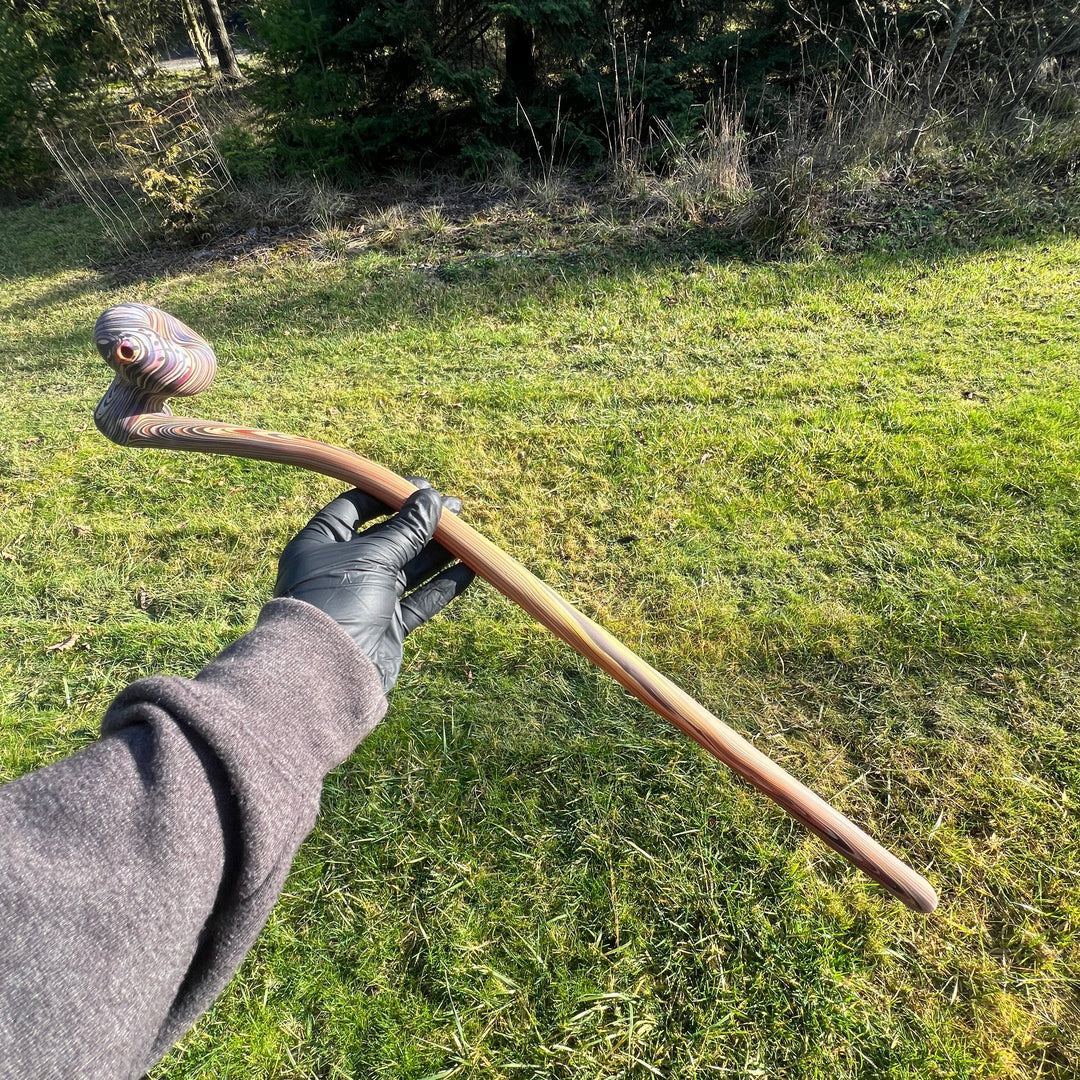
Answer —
(197, 34)
(518, 39)
(222, 46)
(108, 20)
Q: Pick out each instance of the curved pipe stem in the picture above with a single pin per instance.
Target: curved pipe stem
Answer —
(545, 605)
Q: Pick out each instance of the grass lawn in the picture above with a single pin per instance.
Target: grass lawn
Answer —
(835, 499)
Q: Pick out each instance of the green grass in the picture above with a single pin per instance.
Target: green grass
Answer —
(836, 500)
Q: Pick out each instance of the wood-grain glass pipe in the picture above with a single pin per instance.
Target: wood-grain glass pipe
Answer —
(156, 357)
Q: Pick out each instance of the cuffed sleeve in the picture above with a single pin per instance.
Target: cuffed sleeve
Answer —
(135, 875)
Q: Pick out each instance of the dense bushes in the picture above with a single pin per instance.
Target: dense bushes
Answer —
(56, 55)
(347, 88)
(359, 85)
(364, 84)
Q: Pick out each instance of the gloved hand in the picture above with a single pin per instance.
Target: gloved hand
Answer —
(360, 578)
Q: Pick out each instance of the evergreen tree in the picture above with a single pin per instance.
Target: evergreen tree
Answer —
(56, 54)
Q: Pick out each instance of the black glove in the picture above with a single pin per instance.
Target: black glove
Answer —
(360, 579)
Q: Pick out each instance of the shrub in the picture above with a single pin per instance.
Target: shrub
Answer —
(56, 56)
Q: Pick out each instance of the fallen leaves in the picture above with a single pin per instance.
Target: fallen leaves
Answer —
(63, 646)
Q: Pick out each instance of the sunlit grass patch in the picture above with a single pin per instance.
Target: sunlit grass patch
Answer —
(836, 500)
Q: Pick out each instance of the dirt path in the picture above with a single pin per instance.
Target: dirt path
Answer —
(191, 63)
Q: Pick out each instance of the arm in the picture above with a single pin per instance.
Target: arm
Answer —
(135, 875)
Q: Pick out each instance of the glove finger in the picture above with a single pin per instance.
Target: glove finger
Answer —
(430, 599)
(339, 520)
(434, 556)
(450, 502)
(402, 537)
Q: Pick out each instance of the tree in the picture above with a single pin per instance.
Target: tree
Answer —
(365, 83)
(196, 33)
(219, 35)
(57, 54)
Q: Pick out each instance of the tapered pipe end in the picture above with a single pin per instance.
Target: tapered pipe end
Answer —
(921, 898)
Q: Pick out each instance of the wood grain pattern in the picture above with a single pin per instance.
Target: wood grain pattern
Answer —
(133, 413)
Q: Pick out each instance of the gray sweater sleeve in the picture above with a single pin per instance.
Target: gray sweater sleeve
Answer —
(136, 874)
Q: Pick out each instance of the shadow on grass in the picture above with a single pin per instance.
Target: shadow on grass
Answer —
(49, 243)
(375, 291)
(486, 271)
(39, 240)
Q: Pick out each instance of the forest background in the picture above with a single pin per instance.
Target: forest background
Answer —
(763, 118)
